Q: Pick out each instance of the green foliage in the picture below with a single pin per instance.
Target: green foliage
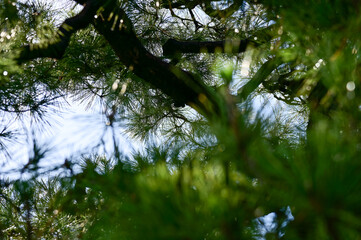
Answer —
(31, 210)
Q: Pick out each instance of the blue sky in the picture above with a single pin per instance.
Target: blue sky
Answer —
(72, 131)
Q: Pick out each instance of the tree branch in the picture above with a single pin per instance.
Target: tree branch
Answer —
(182, 4)
(56, 48)
(182, 86)
(222, 13)
(206, 5)
(173, 47)
(261, 75)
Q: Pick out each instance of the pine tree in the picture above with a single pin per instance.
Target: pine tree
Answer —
(256, 104)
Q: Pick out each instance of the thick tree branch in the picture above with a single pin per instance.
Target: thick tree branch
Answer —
(56, 48)
(182, 86)
(182, 4)
(173, 47)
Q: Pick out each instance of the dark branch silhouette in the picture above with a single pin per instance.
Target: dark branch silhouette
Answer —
(173, 47)
(56, 48)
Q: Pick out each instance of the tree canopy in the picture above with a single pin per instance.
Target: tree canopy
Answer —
(255, 105)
